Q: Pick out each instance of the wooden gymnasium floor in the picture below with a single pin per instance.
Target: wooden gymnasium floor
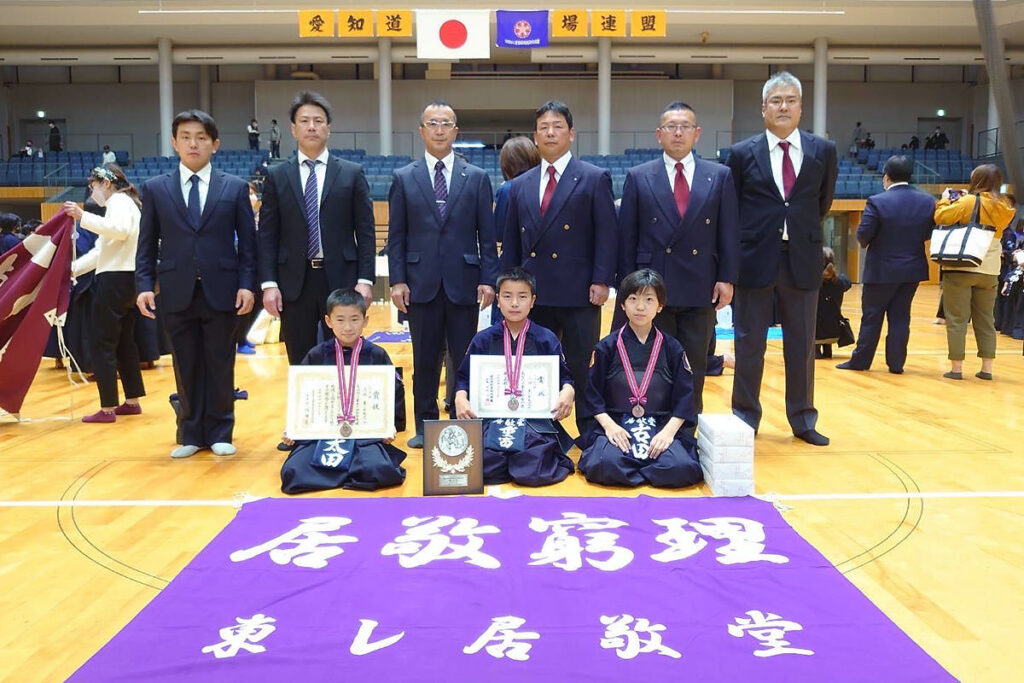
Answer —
(919, 500)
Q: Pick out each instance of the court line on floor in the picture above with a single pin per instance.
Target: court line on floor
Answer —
(241, 499)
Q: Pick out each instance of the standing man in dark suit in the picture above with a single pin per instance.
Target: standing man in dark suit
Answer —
(442, 259)
(784, 179)
(316, 229)
(678, 216)
(894, 227)
(561, 227)
(197, 244)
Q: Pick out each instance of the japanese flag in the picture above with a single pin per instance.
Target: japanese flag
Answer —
(453, 34)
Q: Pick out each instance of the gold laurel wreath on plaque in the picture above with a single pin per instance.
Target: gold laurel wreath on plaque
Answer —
(452, 467)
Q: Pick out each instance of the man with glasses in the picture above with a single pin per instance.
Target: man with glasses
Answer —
(442, 259)
(784, 179)
(316, 229)
(678, 216)
(561, 227)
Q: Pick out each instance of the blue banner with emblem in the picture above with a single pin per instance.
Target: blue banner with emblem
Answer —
(519, 29)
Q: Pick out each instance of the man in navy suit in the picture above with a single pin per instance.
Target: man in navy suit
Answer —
(893, 228)
(316, 229)
(192, 220)
(442, 259)
(785, 180)
(678, 216)
(561, 227)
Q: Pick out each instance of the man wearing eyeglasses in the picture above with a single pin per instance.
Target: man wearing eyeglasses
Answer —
(560, 226)
(784, 179)
(442, 260)
(316, 229)
(679, 217)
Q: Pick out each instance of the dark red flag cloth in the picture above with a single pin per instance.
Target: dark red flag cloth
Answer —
(34, 291)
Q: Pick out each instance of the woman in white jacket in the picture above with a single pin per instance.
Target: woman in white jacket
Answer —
(113, 258)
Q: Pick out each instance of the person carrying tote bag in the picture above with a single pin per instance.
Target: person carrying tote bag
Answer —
(969, 291)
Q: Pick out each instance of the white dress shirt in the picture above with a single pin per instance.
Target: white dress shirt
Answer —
(892, 185)
(449, 166)
(688, 167)
(204, 183)
(118, 231)
(559, 165)
(775, 154)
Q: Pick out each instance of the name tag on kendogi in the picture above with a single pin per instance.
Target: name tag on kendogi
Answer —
(641, 431)
(506, 434)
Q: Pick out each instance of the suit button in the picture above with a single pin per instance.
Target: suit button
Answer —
(787, 203)
(694, 252)
(565, 227)
(668, 250)
(554, 256)
(707, 221)
(522, 229)
(780, 231)
(533, 254)
(654, 220)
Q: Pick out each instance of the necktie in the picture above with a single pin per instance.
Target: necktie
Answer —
(440, 189)
(194, 213)
(788, 174)
(549, 190)
(682, 190)
(312, 210)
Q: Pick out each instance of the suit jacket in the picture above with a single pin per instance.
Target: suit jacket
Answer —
(173, 254)
(691, 252)
(346, 227)
(426, 251)
(763, 210)
(573, 245)
(894, 227)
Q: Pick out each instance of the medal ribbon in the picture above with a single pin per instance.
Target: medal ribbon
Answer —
(512, 370)
(347, 393)
(639, 393)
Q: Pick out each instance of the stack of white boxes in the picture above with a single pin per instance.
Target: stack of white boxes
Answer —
(725, 444)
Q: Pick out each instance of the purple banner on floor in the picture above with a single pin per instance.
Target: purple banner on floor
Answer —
(388, 337)
(528, 589)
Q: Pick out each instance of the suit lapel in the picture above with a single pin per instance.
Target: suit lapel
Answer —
(566, 186)
(455, 187)
(657, 180)
(764, 163)
(212, 195)
(531, 193)
(292, 171)
(424, 180)
(173, 181)
(330, 175)
(810, 160)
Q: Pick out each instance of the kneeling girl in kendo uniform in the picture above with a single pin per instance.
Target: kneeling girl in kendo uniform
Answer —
(527, 451)
(639, 396)
(364, 464)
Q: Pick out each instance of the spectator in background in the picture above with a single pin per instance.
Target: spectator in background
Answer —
(29, 227)
(937, 140)
(858, 138)
(254, 135)
(275, 139)
(108, 156)
(10, 237)
(244, 322)
(55, 141)
(518, 155)
(868, 142)
(28, 150)
(830, 306)
(915, 142)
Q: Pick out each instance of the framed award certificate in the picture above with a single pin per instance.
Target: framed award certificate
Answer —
(538, 380)
(314, 403)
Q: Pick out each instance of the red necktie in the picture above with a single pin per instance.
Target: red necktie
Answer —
(788, 174)
(682, 190)
(549, 190)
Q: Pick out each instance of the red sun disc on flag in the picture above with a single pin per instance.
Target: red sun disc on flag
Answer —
(453, 34)
(522, 29)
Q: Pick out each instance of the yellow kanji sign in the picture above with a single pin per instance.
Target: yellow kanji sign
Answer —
(569, 23)
(394, 22)
(316, 23)
(357, 23)
(609, 23)
(647, 23)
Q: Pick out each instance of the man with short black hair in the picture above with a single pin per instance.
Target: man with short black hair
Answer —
(561, 227)
(893, 228)
(316, 229)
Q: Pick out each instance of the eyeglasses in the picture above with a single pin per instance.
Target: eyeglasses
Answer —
(778, 101)
(434, 123)
(678, 127)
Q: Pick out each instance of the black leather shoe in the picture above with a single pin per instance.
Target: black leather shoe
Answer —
(812, 437)
(847, 366)
(896, 371)
(416, 441)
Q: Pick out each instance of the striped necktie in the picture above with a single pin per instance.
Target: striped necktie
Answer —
(312, 210)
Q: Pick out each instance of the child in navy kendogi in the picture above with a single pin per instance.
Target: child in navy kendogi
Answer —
(633, 432)
(365, 464)
(527, 451)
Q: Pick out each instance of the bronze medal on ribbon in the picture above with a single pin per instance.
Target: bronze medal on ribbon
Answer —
(638, 411)
(346, 429)
(639, 393)
(513, 404)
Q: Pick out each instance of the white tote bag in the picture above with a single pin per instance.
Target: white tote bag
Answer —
(962, 245)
